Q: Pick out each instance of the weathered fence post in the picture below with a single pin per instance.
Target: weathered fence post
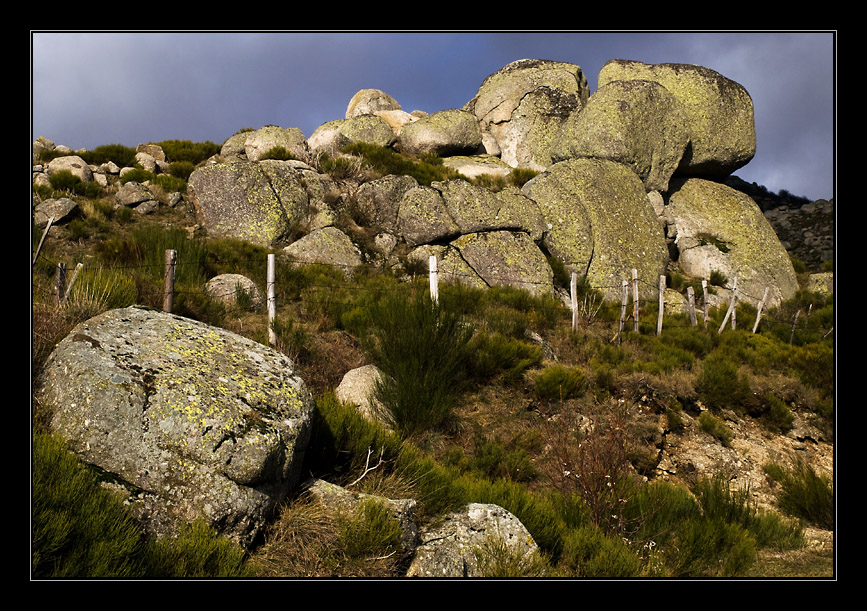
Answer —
(625, 287)
(690, 301)
(661, 305)
(71, 282)
(169, 280)
(635, 298)
(759, 309)
(41, 240)
(434, 279)
(732, 305)
(59, 283)
(704, 296)
(794, 322)
(573, 293)
(272, 302)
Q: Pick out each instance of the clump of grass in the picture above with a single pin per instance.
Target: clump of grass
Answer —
(558, 382)
(384, 161)
(494, 356)
(79, 529)
(803, 493)
(197, 551)
(495, 559)
(66, 181)
(278, 153)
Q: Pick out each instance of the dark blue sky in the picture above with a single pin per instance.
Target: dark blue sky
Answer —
(93, 88)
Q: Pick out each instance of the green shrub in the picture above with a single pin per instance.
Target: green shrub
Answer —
(721, 385)
(716, 428)
(590, 552)
(197, 551)
(169, 183)
(279, 153)
(494, 356)
(66, 181)
(369, 531)
(78, 528)
(181, 169)
(136, 175)
(187, 150)
(122, 156)
(421, 349)
(558, 382)
(803, 493)
(384, 161)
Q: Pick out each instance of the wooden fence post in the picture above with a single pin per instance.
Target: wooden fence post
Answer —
(573, 293)
(794, 322)
(690, 301)
(759, 309)
(41, 240)
(272, 302)
(635, 311)
(434, 279)
(704, 296)
(732, 305)
(59, 283)
(625, 287)
(661, 304)
(169, 280)
(72, 282)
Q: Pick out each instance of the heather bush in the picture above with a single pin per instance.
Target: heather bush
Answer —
(421, 347)
(803, 493)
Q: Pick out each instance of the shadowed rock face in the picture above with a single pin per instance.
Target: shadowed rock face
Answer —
(194, 421)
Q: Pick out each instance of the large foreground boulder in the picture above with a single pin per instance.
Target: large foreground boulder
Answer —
(191, 420)
(718, 110)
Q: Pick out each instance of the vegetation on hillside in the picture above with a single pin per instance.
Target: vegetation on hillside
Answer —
(493, 421)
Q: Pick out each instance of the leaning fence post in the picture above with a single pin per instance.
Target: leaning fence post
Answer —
(71, 282)
(169, 280)
(759, 309)
(661, 304)
(690, 300)
(635, 298)
(42, 239)
(59, 282)
(573, 293)
(272, 302)
(434, 280)
(732, 305)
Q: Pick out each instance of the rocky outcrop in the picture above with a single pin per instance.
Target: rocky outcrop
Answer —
(257, 202)
(601, 223)
(636, 123)
(524, 104)
(719, 113)
(716, 228)
(191, 421)
(334, 135)
(62, 210)
(71, 163)
(357, 388)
